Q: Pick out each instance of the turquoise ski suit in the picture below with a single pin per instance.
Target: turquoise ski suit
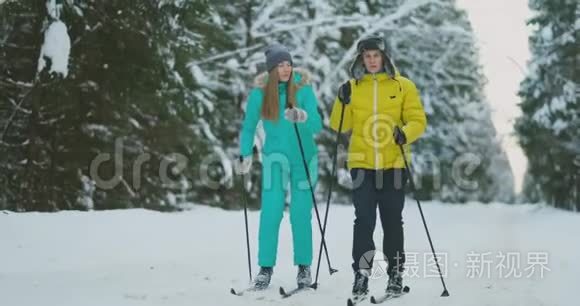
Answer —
(282, 164)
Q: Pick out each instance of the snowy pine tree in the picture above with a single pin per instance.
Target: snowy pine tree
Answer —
(459, 158)
(21, 37)
(100, 136)
(549, 129)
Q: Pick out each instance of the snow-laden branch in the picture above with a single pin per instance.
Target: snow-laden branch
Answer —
(56, 49)
(223, 55)
(349, 21)
(269, 9)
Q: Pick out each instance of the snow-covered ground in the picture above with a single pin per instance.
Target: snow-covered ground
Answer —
(138, 257)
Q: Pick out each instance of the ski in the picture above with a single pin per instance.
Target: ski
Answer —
(287, 294)
(241, 292)
(238, 293)
(389, 296)
(355, 299)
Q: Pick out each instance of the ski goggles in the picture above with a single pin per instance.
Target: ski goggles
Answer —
(371, 43)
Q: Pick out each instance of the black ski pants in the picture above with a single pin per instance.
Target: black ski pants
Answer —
(385, 189)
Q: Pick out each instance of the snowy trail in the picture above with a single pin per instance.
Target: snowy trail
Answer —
(137, 257)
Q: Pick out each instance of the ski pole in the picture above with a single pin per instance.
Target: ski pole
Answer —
(334, 161)
(332, 270)
(245, 200)
(445, 292)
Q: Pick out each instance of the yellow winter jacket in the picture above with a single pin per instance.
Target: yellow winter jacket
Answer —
(378, 104)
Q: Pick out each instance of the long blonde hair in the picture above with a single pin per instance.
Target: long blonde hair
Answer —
(270, 107)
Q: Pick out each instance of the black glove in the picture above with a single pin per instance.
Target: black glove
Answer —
(344, 93)
(399, 136)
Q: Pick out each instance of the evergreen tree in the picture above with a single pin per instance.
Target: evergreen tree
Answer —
(22, 24)
(459, 158)
(549, 129)
(128, 99)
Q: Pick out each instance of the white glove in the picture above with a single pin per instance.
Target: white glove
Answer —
(295, 114)
(243, 165)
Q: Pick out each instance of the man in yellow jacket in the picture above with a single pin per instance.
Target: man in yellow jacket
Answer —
(383, 111)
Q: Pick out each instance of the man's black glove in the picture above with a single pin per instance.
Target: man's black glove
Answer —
(344, 93)
(399, 136)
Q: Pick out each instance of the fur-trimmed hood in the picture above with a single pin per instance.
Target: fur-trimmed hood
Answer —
(301, 77)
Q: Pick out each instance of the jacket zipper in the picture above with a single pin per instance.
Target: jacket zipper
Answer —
(375, 142)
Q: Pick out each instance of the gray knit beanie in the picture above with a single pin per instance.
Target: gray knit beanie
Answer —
(275, 54)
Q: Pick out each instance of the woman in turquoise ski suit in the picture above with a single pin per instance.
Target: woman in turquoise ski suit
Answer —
(282, 97)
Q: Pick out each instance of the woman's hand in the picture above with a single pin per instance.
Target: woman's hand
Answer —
(295, 115)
